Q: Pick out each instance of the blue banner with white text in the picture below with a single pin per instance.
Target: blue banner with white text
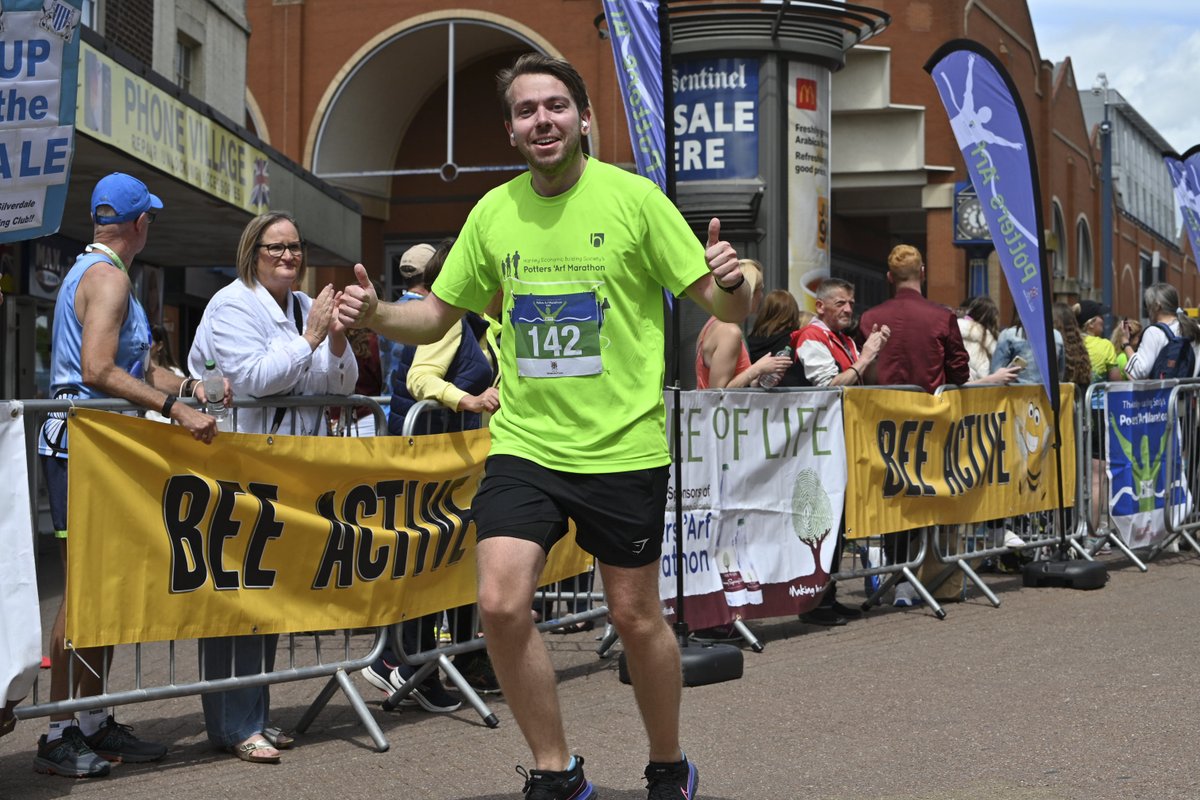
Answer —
(1140, 441)
(1185, 177)
(715, 118)
(991, 129)
(637, 51)
(39, 42)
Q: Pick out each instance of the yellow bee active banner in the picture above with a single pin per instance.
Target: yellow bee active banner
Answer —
(969, 455)
(173, 539)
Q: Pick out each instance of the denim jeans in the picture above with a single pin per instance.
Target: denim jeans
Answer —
(232, 716)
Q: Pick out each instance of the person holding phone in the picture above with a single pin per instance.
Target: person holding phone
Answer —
(1014, 350)
(980, 327)
(1126, 333)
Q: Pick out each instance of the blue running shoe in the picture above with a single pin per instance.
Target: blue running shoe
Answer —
(677, 781)
(567, 785)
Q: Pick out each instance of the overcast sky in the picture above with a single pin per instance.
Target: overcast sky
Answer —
(1150, 50)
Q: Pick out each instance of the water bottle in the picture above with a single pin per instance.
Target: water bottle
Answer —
(213, 381)
(771, 379)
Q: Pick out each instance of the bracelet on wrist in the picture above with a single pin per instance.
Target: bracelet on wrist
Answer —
(166, 406)
(857, 374)
(730, 289)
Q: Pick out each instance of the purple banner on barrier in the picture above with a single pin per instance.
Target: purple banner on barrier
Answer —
(991, 129)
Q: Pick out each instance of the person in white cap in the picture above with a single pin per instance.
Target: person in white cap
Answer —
(101, 348)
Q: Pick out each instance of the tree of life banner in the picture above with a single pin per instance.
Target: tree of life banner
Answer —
(962, 456)
(267, 534)
(763, 486)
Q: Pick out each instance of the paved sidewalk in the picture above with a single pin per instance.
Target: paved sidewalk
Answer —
(1057, 695)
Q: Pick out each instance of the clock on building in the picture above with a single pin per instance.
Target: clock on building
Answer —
(970, 225)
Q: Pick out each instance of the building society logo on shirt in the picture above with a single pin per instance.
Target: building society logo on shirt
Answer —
(597, 239)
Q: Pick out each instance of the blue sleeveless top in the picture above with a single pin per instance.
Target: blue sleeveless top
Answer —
(66, 366)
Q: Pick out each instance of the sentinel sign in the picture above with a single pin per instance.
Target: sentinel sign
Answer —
(715, 118)
(39, 53)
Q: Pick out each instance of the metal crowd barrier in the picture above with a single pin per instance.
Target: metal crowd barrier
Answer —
(457, 632)
(887, 560)
(965, 547)
(1183, 412)
(1094, 481)
(307, 655)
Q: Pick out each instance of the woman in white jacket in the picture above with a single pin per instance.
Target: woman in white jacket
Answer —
(980, 326)
(268, 340)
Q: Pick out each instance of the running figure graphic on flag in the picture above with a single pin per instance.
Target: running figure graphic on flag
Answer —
(970, 133)
(968, 123)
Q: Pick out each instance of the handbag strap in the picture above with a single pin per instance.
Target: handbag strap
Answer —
(280, 412)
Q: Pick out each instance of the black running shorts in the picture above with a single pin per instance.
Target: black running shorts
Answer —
(618, 515)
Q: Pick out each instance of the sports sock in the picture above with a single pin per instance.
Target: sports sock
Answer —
(57, 727)
(91, 720)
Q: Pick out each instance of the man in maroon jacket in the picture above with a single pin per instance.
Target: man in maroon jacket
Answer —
(925, 349)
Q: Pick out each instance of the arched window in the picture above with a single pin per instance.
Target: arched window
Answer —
(1083, 253)
(1058, 256)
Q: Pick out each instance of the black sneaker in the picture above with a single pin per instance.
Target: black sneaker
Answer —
(69, 756)
(568, 785)
(116, 742)
(477, 671)
(387, 678)
(671, 781)
(434, 698)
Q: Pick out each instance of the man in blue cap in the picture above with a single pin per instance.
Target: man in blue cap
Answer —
(101, 346)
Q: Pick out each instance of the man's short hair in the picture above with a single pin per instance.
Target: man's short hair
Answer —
(905, 262)
(827, 287)
(539, 64)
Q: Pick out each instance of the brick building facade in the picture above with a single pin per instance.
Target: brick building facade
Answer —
(361, 100)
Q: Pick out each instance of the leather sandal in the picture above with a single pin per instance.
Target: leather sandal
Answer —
(278, 739)
(256, 750)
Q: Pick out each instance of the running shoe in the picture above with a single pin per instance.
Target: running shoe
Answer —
(567, 785)
(677, 781)
(116, 743)
(69, 756)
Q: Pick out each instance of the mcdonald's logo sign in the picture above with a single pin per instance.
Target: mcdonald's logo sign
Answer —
(806, 94)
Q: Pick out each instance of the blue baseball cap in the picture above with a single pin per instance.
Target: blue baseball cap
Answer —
(128, 196)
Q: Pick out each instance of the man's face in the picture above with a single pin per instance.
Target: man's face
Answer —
(837, 311)
(546, 125)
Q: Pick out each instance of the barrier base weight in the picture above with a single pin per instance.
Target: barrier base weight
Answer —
(702, 664)
(1073, 574)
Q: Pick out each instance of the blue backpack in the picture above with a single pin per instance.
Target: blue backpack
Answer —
(1177, 359)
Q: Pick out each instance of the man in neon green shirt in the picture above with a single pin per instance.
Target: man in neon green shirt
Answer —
(581, 251)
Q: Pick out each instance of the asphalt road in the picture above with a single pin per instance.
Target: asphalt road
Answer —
(1057, 695)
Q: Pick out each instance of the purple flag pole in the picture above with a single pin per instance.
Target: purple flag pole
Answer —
(993, 133)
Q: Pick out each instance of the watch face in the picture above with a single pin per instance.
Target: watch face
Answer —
(971, 222)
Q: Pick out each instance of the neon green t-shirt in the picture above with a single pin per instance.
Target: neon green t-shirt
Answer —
(581, 348)
(1103, 356)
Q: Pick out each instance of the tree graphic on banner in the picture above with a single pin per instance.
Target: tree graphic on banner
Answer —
(812, 515)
